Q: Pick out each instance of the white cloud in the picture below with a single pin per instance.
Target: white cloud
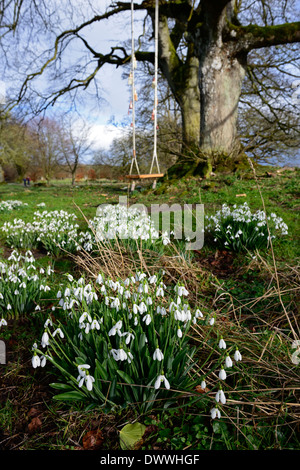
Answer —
(102, 135)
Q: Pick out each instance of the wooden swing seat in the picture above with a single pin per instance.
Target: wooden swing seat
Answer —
(142, 177)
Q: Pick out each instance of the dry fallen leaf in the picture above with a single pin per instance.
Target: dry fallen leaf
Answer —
(241, 195)
(92, 440)
(199, 389)
(34, 425)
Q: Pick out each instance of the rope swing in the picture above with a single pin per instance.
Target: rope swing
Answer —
(131, 82)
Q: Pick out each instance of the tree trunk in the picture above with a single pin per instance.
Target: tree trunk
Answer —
(220, 82)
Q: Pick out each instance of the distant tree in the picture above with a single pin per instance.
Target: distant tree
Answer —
(75, 143)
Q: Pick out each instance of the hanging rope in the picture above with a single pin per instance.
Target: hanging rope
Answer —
(155, 159)
(131, 82)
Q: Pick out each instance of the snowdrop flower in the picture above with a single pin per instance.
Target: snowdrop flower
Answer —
(152, 279)
(158, 355)
(3, 322)
(89, 380)
(160, 379)
(43, 361)
(58, 295)
(115, 329)
(222, 344)
(48, 322)
(84, 316)
(59, 331)
(147, 319)
(45, 339)
(220, 397)
(82, 369)
(160, 292)
(212, 321)
(228, 362)
(37, 308)
(203, 385)
(99, 279)
(198, 313)
(237, 355)
(149, 301)
(95, 324)
(8, 307)
(142, 308)
(135, 309)
(179, 333)
(222, 374)
(129, 336)
(215, 413)
(35, 361)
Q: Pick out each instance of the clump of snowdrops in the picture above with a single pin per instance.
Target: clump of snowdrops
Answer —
(10, 205)
(22, 285)
(58, 230)
(51, 230)
(238, 228)
(127, 342)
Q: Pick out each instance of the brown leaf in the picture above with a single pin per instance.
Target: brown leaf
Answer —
(241, 195)
(199, 389)
(33, 412)
(92, 440)
(34, 425)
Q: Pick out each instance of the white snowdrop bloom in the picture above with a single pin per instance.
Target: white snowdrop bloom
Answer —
(215, 413)
(129, 357)
(163, 311)
(58, 295)
(129, 337)
(43, 361)
(161, 379)
(179, 333)
(142, 308)
(198, 313)
(35, 361)
(58, 331)
(152, 279)
(45, 339)
(228, 362)
(85, 316)
(203, 385)
(158, 355)
(37, 308)
(115, 329)
(8, 307)
(136, 321)
(42, 271)
(222, 344)
(3, 322)
(178, 301)
(17, 293)
(67, 292)
(147, 319)
(47, 288)
(82, 369)
(237, 355)
(222, 374)
(48, 322)
(99, 279)
(220, 397)
(87, 328)
(172, 306)
(135, 309)
(149, 301)
(212, 321)
(122, 355)
(160, 292)
(95, 324)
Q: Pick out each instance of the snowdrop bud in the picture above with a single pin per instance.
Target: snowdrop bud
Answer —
(179, 333)
(45, 339)
(228, 361)
(212, 321)
(222, 344)
(222, 374)
(203, 385)
(237, 355)
(35, 361)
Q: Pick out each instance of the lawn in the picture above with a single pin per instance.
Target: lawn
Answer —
(251, 299)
